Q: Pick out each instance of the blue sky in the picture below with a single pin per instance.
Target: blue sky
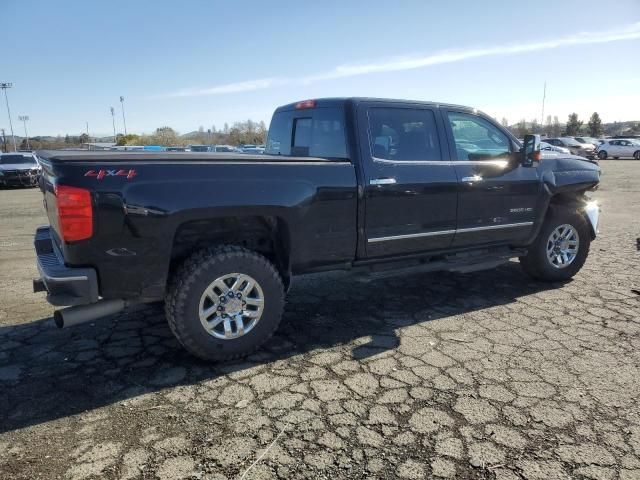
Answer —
(192, 63)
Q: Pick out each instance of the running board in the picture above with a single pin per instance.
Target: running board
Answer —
(464, 262)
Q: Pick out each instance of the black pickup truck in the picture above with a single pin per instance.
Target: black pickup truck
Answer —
(343, 184)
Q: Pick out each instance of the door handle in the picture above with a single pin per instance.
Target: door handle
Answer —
(382, 181)
(472, 179)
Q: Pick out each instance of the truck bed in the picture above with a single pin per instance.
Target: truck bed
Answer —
(170, 157)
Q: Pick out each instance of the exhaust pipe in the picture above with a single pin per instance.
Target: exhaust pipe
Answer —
(68, 317)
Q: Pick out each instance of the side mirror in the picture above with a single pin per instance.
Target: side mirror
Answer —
(531, 149)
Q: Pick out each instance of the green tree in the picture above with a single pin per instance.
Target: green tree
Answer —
(573, 125)
(165, 136)
(595, 125)
(84, 138)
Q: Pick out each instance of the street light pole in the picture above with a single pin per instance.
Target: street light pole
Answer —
(4, 87)
(124, 121)
(24, 119)
(113, 119)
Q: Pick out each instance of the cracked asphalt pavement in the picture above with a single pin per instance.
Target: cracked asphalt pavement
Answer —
(481, 375)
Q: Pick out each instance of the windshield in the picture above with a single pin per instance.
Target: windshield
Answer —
(572, 142)
(13, 159)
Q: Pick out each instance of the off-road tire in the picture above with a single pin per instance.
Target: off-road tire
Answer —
(194, 276)
(537, 265)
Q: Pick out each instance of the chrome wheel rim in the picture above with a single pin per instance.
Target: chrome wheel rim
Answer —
(562, 246)
(231, 306)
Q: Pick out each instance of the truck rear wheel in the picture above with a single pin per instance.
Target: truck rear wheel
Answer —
(561, 247)
(224, 302)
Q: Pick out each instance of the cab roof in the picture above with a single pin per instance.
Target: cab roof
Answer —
(342, 101)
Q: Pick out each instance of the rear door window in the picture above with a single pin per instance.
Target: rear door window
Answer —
(403, 134)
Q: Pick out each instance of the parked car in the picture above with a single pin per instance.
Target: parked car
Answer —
(345, 184)
(200, 148)
(176, 149)
(588, 140)
(619, 148)
(225, 149)
(575, 147)
(19, 169)
(544, 146)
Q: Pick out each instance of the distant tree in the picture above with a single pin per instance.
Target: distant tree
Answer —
(130, 139)
(505, 122)
(225, 129)
(595, 125)
(84, 138)
(573, 125)
(521, 128)
(23, 144)
(165, 136)
(556, 129)
(535, 126)
(67, 139)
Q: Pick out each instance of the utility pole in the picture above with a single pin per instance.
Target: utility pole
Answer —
(88, 137)
(113, 119)
(4, 87)
(24, 119)
(123, 119)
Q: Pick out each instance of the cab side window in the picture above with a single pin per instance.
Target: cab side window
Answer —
(403, 134)
(477, 139)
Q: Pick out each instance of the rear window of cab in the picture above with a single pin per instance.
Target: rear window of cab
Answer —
(317, 132)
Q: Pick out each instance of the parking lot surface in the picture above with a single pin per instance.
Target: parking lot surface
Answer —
(483, 375)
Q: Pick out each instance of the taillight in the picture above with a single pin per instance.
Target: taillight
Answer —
(305, 104)
(75, 213)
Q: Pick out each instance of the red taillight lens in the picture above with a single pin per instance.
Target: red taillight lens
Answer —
(75, 213)
(305, 104)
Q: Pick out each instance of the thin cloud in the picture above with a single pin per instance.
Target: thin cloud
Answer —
(237, 87)
(397, 64)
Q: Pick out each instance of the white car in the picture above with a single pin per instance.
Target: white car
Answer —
(553, 148)
(619, 148)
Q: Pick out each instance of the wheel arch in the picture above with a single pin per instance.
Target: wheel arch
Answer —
(267, 235)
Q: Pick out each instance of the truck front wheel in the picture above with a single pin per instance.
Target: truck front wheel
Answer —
(224, 302)
(560, 249)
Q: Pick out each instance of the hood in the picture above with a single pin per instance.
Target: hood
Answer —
(20, 166)
(568, 172)
(551, 155)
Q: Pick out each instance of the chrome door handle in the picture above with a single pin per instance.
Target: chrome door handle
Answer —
(382, 181)
(474, 178)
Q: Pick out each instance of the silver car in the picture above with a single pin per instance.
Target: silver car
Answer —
(619, 148)
(576, 148)
(19, 169)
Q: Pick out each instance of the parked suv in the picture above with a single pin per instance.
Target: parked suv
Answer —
(19, 169)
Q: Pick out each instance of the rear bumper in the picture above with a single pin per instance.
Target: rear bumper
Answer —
(64, 285)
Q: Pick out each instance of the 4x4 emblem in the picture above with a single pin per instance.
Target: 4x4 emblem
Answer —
(100, 174)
